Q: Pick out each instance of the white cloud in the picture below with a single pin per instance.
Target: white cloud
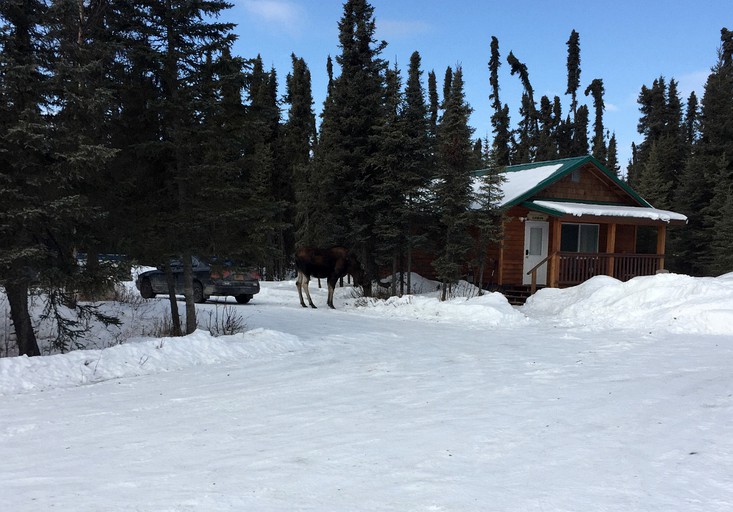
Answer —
(393, 29)
(281, 14)
(611, 107)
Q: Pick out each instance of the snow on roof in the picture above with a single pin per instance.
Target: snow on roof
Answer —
(607, 210)
(520, 182)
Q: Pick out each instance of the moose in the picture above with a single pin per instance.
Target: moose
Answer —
(332, 264)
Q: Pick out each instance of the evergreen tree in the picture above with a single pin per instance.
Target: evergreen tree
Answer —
(433, 102)
(83, 98)
(447, 84)
(25, 153)
(500, 118)
(351, 118)
(653, 185)
(580, 132)
(599, 145)
(691, 127)
(453, 187)
(565, 138)
(705, 184)
(716, 141)
(612, 160)
(573, 70)
(661, 118)
(488, 216)
(722, 241)
(264, 156)
(528, 127)
(299, 141)
(389, 187)
(675, 135)
(182, 62)
(547, 144)
(418, 163)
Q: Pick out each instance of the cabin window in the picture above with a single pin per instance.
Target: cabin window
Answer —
(579, 238)
(575, 176)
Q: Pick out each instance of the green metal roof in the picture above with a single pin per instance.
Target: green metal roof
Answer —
(566, 166)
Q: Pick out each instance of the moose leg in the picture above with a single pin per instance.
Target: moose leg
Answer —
(331, 287)
(306, 282)
(299, 284)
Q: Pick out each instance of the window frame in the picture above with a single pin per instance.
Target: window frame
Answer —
(579, 237)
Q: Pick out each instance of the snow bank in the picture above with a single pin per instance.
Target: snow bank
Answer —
(490, 310)
(671, 302)
(22, 374)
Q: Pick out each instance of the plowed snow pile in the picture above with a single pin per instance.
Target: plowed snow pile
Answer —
(670, 302)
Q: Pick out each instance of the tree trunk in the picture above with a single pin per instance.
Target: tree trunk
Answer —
(25, 337)
(188, 293)
(409, 263)
(175, 317)
(482, 265)
(394, 275)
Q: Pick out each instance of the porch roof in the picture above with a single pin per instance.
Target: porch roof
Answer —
(562, 208)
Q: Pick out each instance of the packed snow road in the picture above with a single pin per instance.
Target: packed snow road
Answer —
(404, 405)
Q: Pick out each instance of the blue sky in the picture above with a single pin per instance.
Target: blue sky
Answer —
(626, 43)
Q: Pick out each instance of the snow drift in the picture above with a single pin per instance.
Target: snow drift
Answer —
(664, 302)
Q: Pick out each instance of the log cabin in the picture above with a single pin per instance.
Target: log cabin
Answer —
(571, 219)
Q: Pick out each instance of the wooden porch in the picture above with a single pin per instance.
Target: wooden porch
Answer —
(572, 268)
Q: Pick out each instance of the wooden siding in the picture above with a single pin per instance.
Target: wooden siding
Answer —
(513, 245)
(594, 186)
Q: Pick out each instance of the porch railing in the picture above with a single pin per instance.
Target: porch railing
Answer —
(574, 267)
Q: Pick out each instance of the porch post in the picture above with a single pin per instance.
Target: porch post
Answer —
(661, 244)
(611, 249)
(500, 276)
(554, 263)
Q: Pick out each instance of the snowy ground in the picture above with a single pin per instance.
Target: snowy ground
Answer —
(605, 397)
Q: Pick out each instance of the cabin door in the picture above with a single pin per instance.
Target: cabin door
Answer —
(536, 238)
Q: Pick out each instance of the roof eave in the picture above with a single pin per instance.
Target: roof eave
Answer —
(603, 219)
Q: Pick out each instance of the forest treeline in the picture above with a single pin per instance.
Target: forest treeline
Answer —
(131, 128)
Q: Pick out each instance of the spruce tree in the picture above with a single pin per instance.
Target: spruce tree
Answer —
(722, 241)
(547, 144)
(653, 185)
(389, 188)
(190, 37)
(447, 84)
(573, 64)
(417, 167)
(691, 123)
(579, 140)
(596, 90)
(267, 165)
(433, 102)
(83, 99)
(716, 142)
(25, 152)
(612, 160)
(299, 141)
(347, 146)
(453, 187)
(488, 216)
(705, 184)
(500, 121)
(528, 127)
